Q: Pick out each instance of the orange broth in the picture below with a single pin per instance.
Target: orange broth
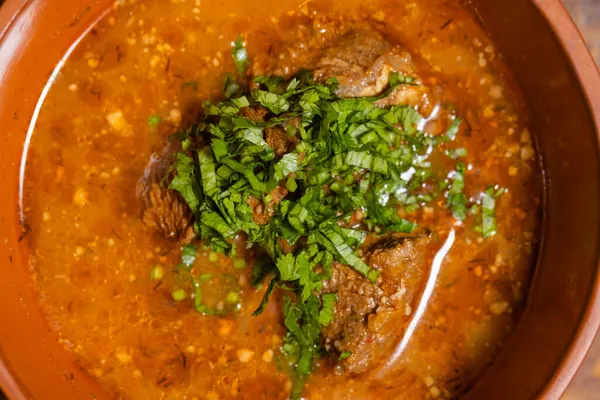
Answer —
(93, 255)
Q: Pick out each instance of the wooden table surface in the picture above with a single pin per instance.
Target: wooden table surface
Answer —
(586, 385)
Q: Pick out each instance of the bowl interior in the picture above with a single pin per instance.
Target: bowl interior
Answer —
(560, 319)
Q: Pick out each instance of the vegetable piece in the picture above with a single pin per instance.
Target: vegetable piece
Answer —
(188, 255)
(178, 294)
(453, 129)
(185, 182)
(240, 56)
(265, 299)
(239, 263)
(154, 121)
(488, 213)
(157, 273)
(326, 313)
(457, 201)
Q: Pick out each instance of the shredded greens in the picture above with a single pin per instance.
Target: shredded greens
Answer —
(343, 157)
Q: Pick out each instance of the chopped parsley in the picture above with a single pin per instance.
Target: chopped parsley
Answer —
(342, 156)
(457, 201)
(240, 55)
(154, 121)
(188, 255)
(488, 210)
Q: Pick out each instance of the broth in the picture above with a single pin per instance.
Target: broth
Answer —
(93, 255)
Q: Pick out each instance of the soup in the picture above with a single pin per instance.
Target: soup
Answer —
(318, 199)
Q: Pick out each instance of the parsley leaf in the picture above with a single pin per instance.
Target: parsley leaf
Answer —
(326, 313)
(488, 207)
(185, 182)
(457, 201)
(286, 264)
(453, 129)
(273, 101)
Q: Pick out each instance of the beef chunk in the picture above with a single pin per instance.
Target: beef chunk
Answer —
(278, 140)
(163, 209)
(370, 318)
(362, 60)
(262, 214)
(256, 113)
(357, 298)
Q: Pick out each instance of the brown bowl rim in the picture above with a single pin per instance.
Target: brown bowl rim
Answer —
(588, 74)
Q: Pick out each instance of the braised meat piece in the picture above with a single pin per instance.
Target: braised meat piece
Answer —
(256, 113)
(263, 214)
(278, 140)
(362, 60)
(163, 209)
(370, 318)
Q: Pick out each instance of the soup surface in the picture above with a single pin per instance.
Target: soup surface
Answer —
(448, 295)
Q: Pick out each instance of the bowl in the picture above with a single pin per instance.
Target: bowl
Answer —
(562, 86)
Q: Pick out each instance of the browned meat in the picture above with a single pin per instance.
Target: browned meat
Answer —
(166, 212)
(263, 214)
(362, 60)
(256, 113)
(357, 298)
(278, 140)
(370, 318)
(163, 209)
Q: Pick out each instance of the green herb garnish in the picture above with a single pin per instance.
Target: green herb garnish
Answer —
(188, 255)
(178, 294)
(240, 55)
(342, 155)
(488, 213)
(154, 121)
(457, 201)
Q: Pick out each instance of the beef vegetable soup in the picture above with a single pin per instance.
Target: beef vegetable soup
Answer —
(294, 199)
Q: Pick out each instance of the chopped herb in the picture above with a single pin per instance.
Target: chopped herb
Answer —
(457, 201)
(185, 182)
(154, 121)
(348, 154)
(273, 83)
(266, 297)
(240, 55)
(453, 129)
(232, 87)
(186, 144)
(456, 153)
(326, 313)
(488, 213)
(178, 294)
(232, 297)
(188, 255)
(344, 355)
(286, 264)
(157, 273)
(213, 257)
(239, 263)
(273, 101)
